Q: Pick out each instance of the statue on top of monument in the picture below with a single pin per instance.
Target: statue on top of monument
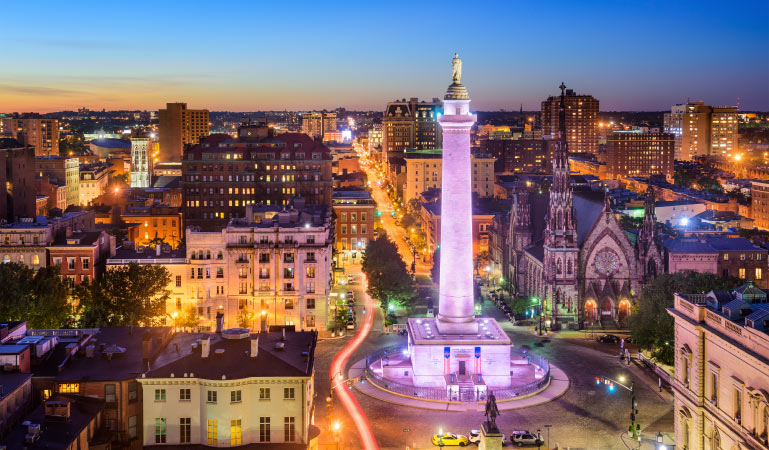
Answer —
(456, 69)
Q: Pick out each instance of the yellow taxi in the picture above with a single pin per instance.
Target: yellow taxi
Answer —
(450, 439)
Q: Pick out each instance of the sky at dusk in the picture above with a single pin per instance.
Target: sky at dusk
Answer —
(296, 55)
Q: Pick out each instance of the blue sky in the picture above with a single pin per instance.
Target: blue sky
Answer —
(254, 55)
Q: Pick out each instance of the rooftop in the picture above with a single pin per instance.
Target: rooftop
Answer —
(57, 433)
(147, 255)
(111, 143)
(230, 358)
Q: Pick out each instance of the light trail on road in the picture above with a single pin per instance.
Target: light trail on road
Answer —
(336, 374)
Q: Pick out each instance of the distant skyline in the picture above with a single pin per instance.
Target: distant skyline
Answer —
(244, 56)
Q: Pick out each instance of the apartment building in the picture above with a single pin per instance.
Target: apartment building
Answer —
(271, 268)
(581, 120)
(33, 130)
(424, 170)
(354, 219)
(179, 126)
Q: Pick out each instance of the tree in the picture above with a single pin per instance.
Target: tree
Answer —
(650, 323)
(435, 270)
(187, 319)
(129, 295)
(245, 318)
(388, 279)
(40, 298)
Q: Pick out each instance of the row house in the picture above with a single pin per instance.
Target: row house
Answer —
(81, 256)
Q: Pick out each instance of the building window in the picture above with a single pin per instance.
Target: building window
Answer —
(109, 393)
(133, 393)
(344, 217)
(212, 440)
(235, 396)
(132, 429)
(185, 430)
(759, 273)
(184, 395)
(289, 430)
(742, 272)
(264, 429)
(344, 228)
(219, 272)
(178, 281)
(211, 396)
(714, 388)
(160, 430)
(160, 395)
(288, 393)
(235, 432)
(726, 257)
(310, 303)
(310, 287)
(310, 271)
(69, 388)
(738, 405)
(289, 303)
(35, 259)
(71, 263)
(86, 263)
(288, 272)
(363, 217)
(353, 217)
(310, 321)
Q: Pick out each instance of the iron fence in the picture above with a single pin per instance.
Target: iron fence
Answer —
(442, 394)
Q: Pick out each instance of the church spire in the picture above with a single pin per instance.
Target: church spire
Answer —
(561, 214)
(649, 226)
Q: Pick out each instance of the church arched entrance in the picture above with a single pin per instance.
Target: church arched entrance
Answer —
(606, 309)
(624, 311)
(591, 311)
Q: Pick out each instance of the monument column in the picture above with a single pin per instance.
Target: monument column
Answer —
(455, 303)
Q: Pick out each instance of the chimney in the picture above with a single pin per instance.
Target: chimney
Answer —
(254, 347)
(146, 347)
(219, 322)
(283, 338)
(205, 345)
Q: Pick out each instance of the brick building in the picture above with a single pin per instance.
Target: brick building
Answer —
(82, 255)
(354, 223)
(17, 180)
(519, 155)
(223, 175)
(638, 154)
(581, 113)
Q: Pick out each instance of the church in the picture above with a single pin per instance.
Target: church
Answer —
(568, 250)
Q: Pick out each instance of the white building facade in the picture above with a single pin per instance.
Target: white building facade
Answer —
(261, 274)
(721, 386)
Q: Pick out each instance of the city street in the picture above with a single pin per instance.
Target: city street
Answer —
(585, 406)
(396, 232)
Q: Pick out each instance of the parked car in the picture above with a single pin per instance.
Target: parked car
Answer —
(350, 295)
(450, 439)
(350, 324)
(608, 339)
(523, 437)
(350, 303)
(475, 437)
(350, 279)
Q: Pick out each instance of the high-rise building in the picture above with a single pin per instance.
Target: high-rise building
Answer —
(179, 126)
(222, 175)
(424, 170)
(140, 163)
(519, 155)
(411, 124)
(639, 153)
(702, 130)
(65, 170)
(33, 130)
(316, 124)
(581, 120)
(312, 124)
(17, 180)
(375, 139)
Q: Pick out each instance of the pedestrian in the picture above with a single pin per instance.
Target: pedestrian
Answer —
(659, 382)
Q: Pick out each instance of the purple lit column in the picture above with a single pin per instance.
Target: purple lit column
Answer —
(455, 309)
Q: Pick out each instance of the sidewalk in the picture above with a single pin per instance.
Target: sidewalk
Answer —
(559, 384)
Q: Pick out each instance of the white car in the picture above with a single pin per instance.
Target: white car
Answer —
(523, 437)
(475, 437)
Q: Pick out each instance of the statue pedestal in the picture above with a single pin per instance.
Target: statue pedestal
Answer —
(491, 438)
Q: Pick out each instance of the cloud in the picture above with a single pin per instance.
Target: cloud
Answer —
(37, 90)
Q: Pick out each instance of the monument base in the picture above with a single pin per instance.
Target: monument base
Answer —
(491, 437)
(465, 364)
